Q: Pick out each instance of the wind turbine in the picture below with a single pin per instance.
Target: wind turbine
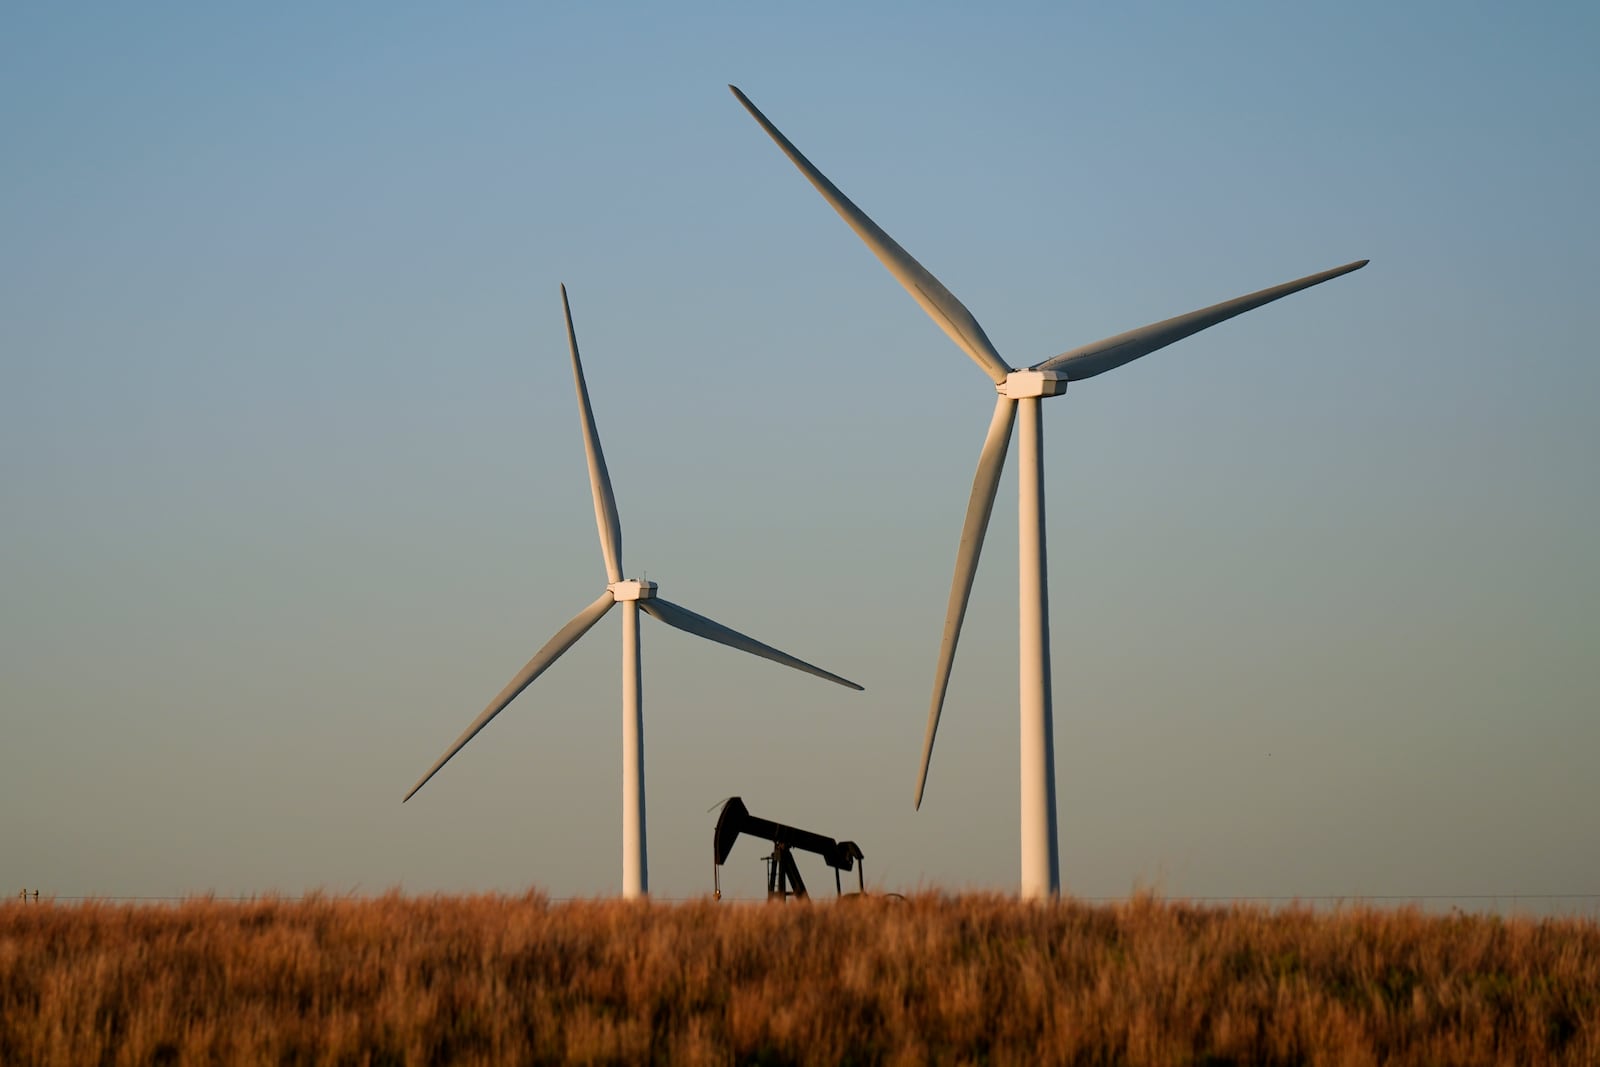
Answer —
(1020, 391)
(633, 594)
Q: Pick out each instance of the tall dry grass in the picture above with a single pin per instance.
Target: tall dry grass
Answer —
(400, 980)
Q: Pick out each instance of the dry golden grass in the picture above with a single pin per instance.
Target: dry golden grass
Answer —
(401, 980)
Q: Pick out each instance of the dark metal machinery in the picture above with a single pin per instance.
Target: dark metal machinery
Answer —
(783, 877)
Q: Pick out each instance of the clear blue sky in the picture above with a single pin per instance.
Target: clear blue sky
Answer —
(291, 480)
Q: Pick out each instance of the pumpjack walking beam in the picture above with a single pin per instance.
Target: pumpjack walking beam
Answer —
(783, 877)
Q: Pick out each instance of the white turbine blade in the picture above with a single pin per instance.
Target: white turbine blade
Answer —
(951, 315)
(1113, 352)
(536, 666)
(605, 502)
(991, 461)
(689, 622)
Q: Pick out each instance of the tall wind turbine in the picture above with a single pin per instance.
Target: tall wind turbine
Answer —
(633, 594)
(1020, 391)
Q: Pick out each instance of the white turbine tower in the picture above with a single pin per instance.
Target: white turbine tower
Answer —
(1020, 392)
(632, 594)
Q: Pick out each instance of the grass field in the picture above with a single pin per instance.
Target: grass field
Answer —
(403, 980)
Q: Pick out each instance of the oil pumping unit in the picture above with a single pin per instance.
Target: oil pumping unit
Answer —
(783, 877)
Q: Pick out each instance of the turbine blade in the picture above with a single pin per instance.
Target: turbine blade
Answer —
(951, 315)
(605, 502)
(689, 622)
(1113, 352)
(536, 666)
(991, 461)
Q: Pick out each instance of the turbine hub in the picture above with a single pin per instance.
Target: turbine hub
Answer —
(1022, 384)
(632, 589)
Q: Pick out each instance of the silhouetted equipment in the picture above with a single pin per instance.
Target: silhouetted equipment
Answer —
(783, 877)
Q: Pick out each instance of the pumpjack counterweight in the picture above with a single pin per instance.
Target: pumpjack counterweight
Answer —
(783, 876)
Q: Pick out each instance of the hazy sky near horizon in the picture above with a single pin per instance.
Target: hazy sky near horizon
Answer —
(291, 477)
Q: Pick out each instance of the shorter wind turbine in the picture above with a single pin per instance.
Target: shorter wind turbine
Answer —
(1020, 391)
(633, 594)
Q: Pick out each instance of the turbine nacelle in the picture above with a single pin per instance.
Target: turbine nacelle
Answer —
(1022, 384)
(632, 589)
